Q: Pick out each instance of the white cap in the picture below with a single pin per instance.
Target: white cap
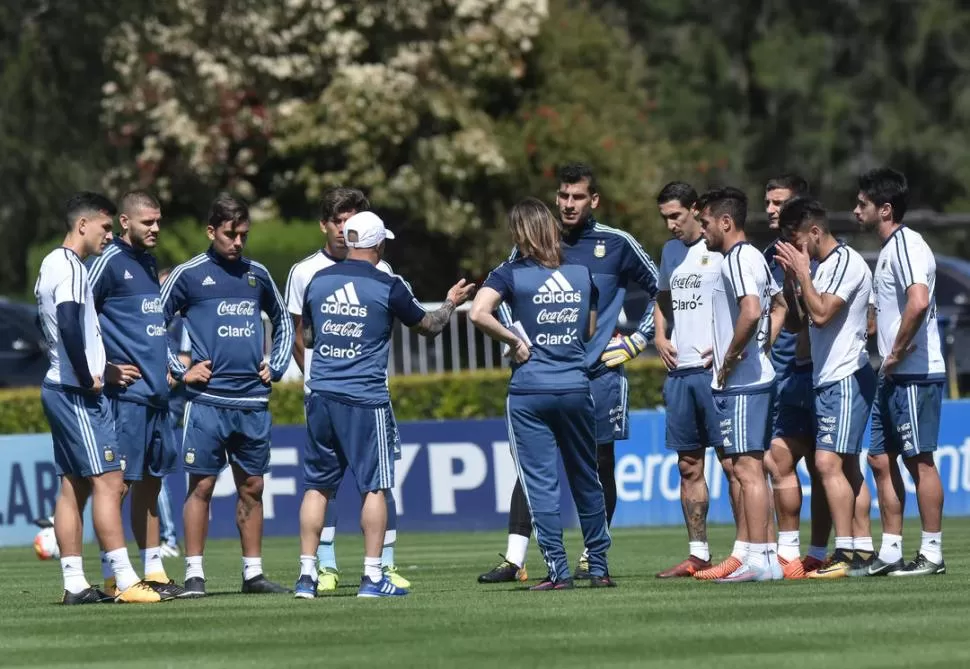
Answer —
(369, 228)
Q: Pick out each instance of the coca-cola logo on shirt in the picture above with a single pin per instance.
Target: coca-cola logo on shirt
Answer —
(555, 317)
(153, 306)
(349, 329)
(686, 281)
(241, 308)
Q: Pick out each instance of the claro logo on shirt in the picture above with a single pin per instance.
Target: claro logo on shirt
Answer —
(557, 290)
(241, 308)
(234, 332)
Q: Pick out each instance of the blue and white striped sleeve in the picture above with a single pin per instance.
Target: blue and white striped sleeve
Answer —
(504, 311)
(275, 307)
(174, 301)
(639, 268)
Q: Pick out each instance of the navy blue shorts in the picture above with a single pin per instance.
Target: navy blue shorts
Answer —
(691, 419)
(146, 442)
(906, 418)
(609, 393)
(212, 435)
(744, 421)
(843, 410)
(341, 435)
(793, 411)
(82, 430)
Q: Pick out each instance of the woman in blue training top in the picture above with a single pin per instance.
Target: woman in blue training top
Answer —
(549, 407)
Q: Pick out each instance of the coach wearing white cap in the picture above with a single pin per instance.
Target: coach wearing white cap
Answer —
(348, 312)
(363, 232)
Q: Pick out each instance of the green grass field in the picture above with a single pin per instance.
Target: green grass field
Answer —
(449, 620)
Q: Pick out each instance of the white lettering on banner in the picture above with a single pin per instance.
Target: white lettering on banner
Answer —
(567, 315)
(242, 308)
(349, 329)
(629, 469)
(505, 475)
(445, 481)
(232, 331)
(546, 339)
(155, 331)
(151, 306)
(401, 469)
(272, 486)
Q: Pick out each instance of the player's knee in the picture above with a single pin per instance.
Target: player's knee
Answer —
(828, 464)
(691, 467)
(251, 488)
(202, 488)
(879, 464)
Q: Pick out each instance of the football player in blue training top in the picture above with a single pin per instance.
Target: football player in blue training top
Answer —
(615, 259)
(549, 408)
(348, 312)
(221, 294)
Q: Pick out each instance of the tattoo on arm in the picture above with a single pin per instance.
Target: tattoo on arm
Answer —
(308, 333)
(435, 321)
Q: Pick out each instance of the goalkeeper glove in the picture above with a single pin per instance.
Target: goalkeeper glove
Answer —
(621, 350)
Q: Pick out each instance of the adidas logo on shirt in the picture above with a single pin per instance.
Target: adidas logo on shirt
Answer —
(556, 290)
(344, 302)
(128, 275)
(208, 281)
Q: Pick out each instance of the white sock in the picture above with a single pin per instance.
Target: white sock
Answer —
(843, 543)
(308, 566)
(125, 575)
(193, 567)
(700, 550)
(252, 567)
(818, 552)
(106, 571)
(862, 544)
(788, 546)
(931, 546)
(892, 548)
(387, 552)
(151, 560)
(740, 550)
(73, 571)
(758, 555)
(516, 549)
(372, 569)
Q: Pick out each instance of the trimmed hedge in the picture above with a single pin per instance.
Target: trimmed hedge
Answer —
(479, 394)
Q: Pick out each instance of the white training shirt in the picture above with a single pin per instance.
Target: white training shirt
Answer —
(743, 272)
(689, 272)
(64, 278)
(839, 348)
(906, 259)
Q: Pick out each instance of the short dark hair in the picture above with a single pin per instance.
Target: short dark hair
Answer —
(798, 185)
(86, 202)
(573, 173)
(340, 200)
(138, 198)
(226, 208)
(801, 211)
(885, 185)
(680, 191)
(727, 200)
